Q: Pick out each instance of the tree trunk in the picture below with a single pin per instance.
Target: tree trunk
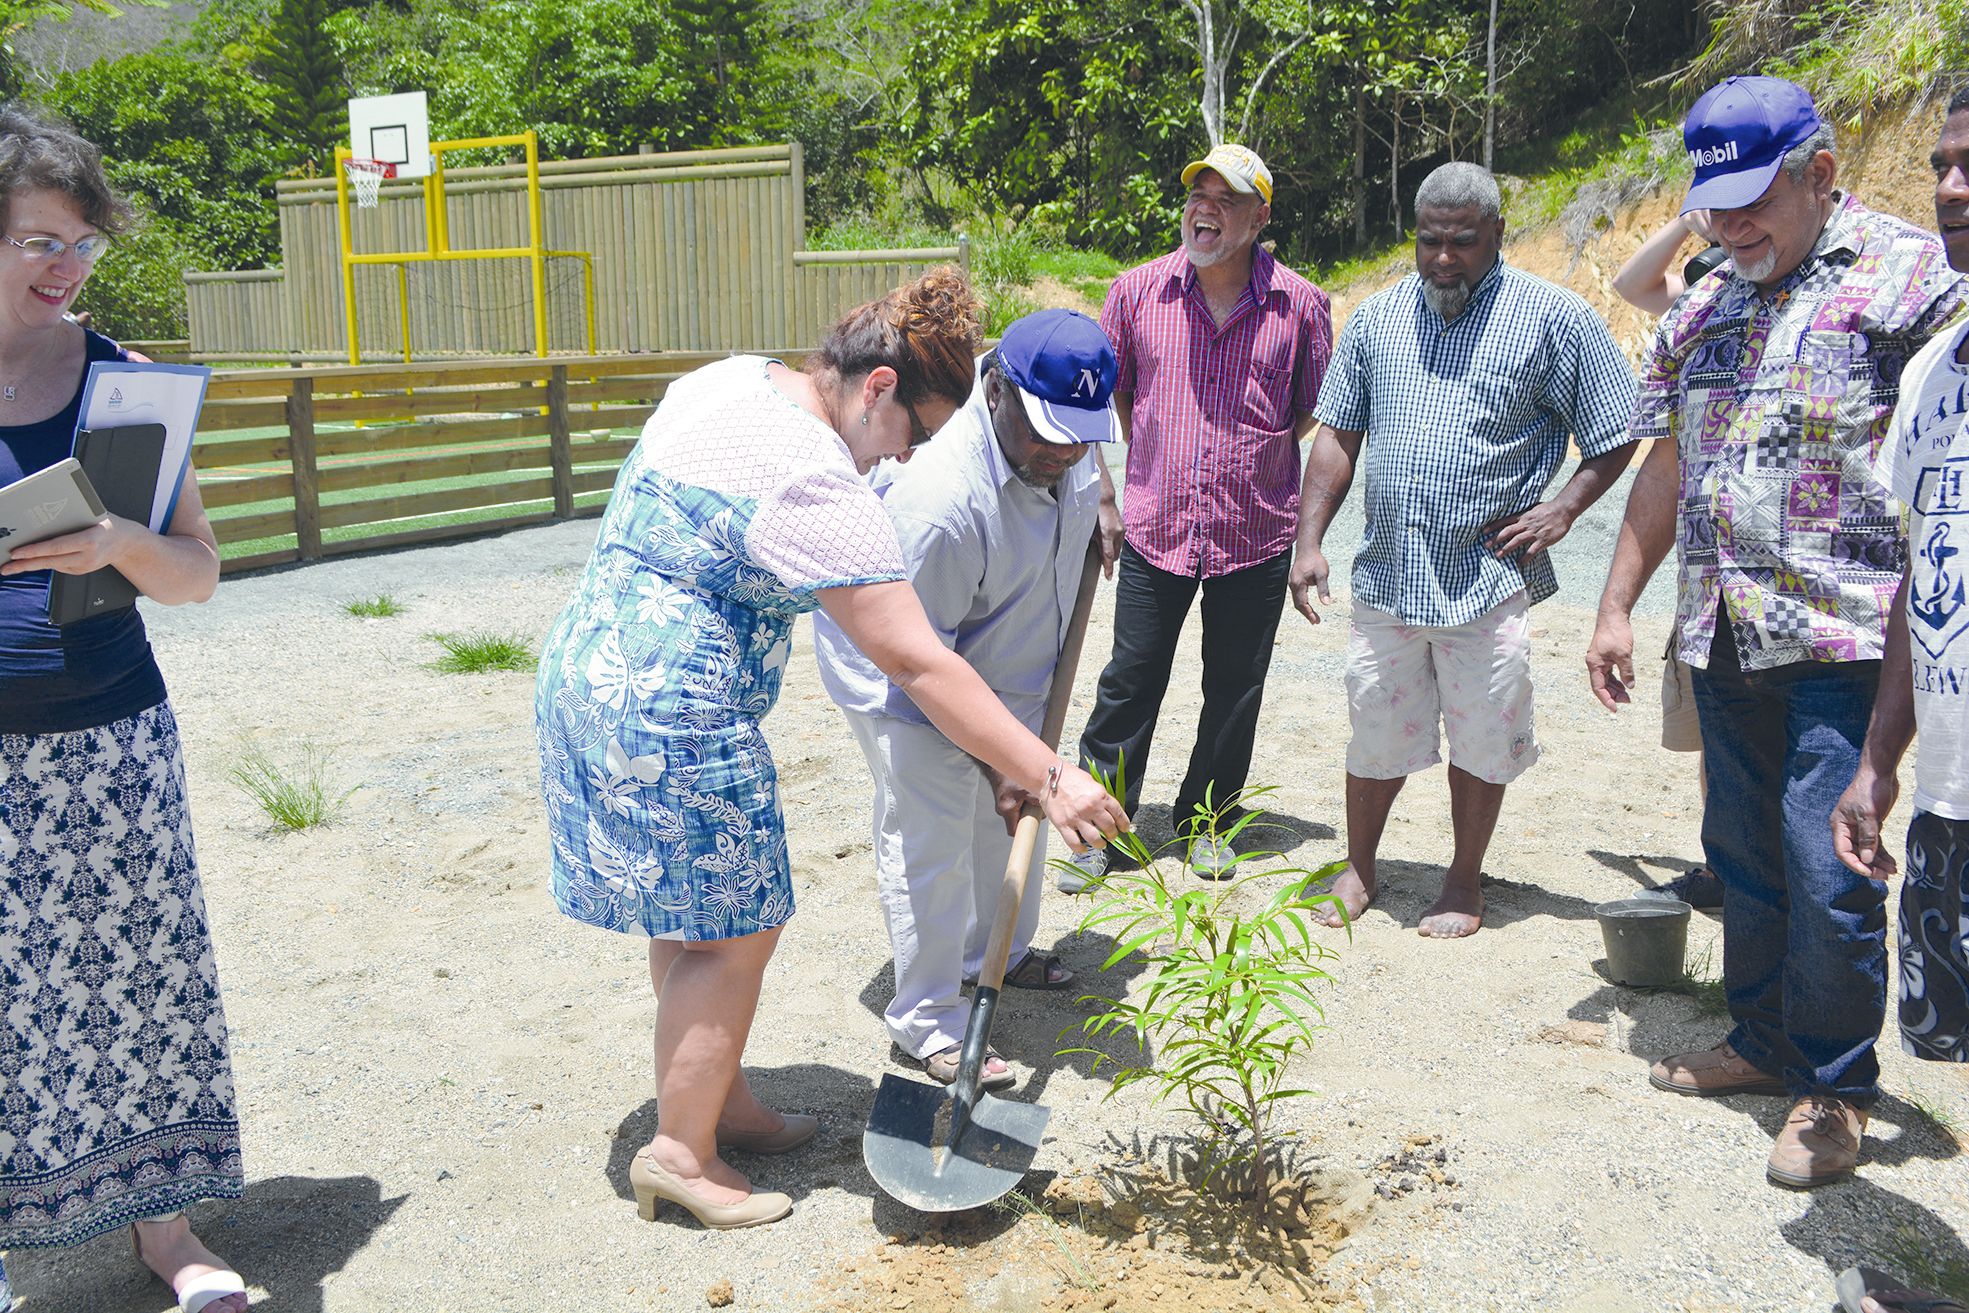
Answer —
(1490, 86)
(1359, 188)
(1213, 63)
(1395, 170)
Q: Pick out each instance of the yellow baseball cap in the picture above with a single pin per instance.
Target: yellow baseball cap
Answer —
(1239, 167)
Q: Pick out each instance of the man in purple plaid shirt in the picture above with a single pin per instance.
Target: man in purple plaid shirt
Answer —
(1222, 350)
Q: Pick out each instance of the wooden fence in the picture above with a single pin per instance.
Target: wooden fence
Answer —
(691, 250)
(295, 465)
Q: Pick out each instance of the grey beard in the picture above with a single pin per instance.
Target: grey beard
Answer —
(1448, 302)
(1761, 271)
(1203, 260)
(1032, 478)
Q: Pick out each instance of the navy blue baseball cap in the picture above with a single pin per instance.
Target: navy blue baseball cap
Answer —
(1064, 369)
(1737, 136)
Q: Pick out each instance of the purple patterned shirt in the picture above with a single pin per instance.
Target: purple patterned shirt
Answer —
(1777, 405)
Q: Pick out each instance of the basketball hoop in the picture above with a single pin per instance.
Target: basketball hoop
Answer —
(366, 178)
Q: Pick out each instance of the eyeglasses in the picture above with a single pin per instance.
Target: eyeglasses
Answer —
(918, 434)
(88, 250)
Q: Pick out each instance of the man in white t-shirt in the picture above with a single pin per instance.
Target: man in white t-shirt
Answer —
(1924, 678)
(1924, 681)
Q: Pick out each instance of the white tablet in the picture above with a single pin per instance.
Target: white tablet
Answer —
(47, 504)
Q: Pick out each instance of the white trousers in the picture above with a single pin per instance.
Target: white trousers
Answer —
(940, 855)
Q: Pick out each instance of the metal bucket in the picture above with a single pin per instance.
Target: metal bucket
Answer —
(1646, 940)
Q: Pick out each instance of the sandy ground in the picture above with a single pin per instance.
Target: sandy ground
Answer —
(442, 1080)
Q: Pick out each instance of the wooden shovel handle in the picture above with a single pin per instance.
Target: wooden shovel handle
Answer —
(1026, 838)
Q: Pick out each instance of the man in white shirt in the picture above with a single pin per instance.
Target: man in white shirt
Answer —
(995, 516)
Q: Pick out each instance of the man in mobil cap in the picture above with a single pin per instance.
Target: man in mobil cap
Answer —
(1221, 351)
(1768, 391)
(995, 516)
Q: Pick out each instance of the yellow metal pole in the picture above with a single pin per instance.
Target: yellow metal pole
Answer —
(342, 229)
(403, 303)
(537, 238)
(441, 226)
(433, 202)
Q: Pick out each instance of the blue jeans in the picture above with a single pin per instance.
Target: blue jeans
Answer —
(1804, 939)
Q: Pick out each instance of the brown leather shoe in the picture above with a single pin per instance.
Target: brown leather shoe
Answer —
(1711, 1073)
(1820, 1143)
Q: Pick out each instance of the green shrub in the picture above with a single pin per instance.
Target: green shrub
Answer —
(1003, 304)
(1004, 258)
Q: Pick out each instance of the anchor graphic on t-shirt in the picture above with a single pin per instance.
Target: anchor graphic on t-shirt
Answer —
(1937, 604)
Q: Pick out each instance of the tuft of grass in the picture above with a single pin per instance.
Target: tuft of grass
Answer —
(1940, 1119)
(480, 651)
(1926, 1265)
(1703, 982)
(1075, 1272)
(296, 799)
(380, 607)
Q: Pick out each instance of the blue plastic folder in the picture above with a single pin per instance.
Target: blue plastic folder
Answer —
(119, 394)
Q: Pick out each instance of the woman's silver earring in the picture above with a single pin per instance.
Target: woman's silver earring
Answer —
(864, 419)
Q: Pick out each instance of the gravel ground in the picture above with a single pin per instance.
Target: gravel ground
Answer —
(442, 1080)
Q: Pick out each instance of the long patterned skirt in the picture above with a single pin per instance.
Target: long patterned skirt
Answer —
(116, 1094)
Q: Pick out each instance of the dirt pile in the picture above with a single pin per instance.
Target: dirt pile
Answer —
(1128, 1238)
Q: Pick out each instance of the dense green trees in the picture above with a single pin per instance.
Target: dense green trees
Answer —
(186, 132)
(307, 94)
(1065, 118)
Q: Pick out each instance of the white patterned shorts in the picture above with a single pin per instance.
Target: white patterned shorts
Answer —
(1474, 681)
(1934, 940)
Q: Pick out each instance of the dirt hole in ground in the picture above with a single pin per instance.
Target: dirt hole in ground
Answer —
(1133, 1237)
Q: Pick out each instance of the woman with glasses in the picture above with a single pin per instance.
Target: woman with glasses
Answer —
(742, 508)
(116, 1091)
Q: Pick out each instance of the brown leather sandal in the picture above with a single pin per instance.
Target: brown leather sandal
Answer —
(1037, 970)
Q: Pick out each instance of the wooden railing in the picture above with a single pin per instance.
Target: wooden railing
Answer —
(299, 464)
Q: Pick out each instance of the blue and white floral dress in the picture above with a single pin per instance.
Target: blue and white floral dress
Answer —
(735, 510)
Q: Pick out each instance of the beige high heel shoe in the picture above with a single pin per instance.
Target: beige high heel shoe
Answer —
(651, 1183)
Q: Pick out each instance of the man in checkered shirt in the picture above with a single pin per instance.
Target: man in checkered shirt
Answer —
(1768, 393)
(1455, 390)
(1222, 349)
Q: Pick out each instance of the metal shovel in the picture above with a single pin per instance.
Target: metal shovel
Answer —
(940, 1148)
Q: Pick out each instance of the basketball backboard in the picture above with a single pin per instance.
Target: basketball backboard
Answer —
(395, 129)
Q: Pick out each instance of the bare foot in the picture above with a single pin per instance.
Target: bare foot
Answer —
(1459, 912)
(712, 1179)
(168, 1248)
(1354, 894)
